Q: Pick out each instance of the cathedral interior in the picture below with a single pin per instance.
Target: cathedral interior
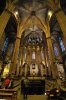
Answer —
(33, 49)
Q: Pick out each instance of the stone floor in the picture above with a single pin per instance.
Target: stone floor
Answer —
(34, 97)
(31, 97)
(49, 84)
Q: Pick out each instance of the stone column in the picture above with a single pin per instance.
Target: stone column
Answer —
(46, 29)
(30, 55)
(19, 63)
(17, 68)
(21, 60)
(51, 55)
(42, 55)
(20, 30)
(44, 58)
(27, 54)
(47, 60)
(15, 56)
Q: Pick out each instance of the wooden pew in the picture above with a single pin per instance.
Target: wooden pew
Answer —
(8, 96)
(7, 92)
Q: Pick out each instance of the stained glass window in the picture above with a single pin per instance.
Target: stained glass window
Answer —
(55, 49)
(6, 43)
(33, 55)
(61, 44)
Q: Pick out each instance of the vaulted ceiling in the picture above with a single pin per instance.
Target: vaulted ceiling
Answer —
(26, 8)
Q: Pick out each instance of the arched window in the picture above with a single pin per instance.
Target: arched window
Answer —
(6, 43)
(61, 44)
(33, 55)
(55, 49)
